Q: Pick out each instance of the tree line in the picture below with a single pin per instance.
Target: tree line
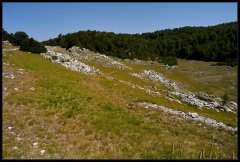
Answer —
(213, 43)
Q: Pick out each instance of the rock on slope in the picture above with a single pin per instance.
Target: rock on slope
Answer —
(69, 62)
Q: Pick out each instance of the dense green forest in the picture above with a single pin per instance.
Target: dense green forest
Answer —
(212, 43)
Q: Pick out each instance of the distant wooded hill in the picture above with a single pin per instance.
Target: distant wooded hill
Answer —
(212, 43)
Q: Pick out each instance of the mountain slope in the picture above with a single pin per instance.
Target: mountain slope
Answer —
(51, 111)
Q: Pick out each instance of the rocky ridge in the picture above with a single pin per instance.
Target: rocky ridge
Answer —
(83, 53)
(187, 97)
(192, 116)
(69, 62)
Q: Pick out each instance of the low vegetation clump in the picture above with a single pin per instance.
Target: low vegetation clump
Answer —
(225, 99)
(31, 45)
(227, 62)
(54, 57)
(170, 60)
(26, 44)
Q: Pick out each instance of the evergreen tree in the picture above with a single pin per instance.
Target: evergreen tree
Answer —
(19, 37)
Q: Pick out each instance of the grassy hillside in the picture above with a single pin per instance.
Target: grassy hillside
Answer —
(74, 115)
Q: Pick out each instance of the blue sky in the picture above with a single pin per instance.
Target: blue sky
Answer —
(46, 20)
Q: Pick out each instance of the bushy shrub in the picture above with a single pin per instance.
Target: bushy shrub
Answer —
(231, 62)
(170, 60)
(225, 99)
(19, 38)
(31, 45)
(54, 57)
(227, 62)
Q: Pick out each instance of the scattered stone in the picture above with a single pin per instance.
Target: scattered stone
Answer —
(9, 128)
(42, 152)
(5, 63)
(8, 75)
(168, 98)
(169, 67)
(69, 62)
(116, 64)
(20, 72)
(7, 42)
(154, 76)
(221, 108)
(178, 101)
(74, 54)
(189, 97)
(15, 148)
(16, 89)
(89, 55)
(73, 49)
(32, 88)
(35, 144)
(4, 92)
(232, 104)
(192, 116)
(109, 77)
(148, 91)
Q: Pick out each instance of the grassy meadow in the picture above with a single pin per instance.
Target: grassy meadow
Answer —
(77, 116)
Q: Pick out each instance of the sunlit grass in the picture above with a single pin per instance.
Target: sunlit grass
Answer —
(73, 115)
